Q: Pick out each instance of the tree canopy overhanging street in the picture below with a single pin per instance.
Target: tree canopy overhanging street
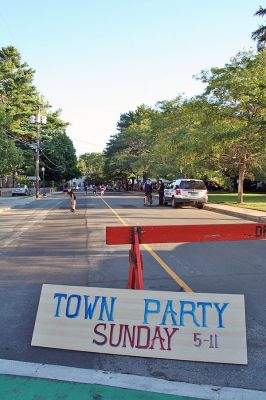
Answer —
(140, 265)
(218, 135)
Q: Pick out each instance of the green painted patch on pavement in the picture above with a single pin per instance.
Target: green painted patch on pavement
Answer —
(23, 388)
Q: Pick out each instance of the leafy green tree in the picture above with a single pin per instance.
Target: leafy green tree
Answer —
(17, 92)
(170, 151)
(236, 95)
(58, 156)
(128, 150)
(19, 100)
(260, 34)
(92, 166)
(11, 158)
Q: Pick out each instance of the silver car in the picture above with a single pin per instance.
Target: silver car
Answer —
(186, 192)
(22, 190)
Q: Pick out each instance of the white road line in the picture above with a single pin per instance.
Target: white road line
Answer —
(88, 376)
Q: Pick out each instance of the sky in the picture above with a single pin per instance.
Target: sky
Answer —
(98, 59)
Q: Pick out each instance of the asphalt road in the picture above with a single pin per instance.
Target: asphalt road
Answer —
(42, 242)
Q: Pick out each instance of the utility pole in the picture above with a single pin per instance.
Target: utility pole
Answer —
(38, 120)
(37, 156)
(43, 186)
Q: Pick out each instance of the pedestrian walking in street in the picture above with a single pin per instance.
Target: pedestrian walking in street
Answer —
(102, 190)
(72, 200)
(161, 192)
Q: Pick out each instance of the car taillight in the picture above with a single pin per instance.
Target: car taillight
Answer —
(206, 193)
(178, 191)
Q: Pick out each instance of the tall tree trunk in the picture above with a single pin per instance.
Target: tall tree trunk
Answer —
(14, 175)
(242, 170)
(4, 181)
(144, 176)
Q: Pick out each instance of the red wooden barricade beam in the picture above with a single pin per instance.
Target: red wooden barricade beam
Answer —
(175, 234)
(186, 233)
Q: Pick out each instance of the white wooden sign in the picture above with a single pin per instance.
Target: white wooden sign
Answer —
(182, 326)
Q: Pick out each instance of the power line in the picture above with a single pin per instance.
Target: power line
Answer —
(50, 161)
(84, 141)
(8, 30)
(52, 169)
(32, 146)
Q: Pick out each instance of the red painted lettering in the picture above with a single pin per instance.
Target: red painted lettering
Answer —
(140, 335)
(169, 336)
(112, 329)
(100, 334)
(127, 334)
(157, 335)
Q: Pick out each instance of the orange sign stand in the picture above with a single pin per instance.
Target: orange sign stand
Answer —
(175, 234)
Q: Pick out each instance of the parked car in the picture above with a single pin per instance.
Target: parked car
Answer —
(186, 192)
(22, 190)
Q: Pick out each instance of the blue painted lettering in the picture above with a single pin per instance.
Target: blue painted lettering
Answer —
(89, 307)
(220, 313)
(191, 312)
(204, 305)
(59, 296)
(169, 310)
(75, 307)
(147, 310)
(105, 308)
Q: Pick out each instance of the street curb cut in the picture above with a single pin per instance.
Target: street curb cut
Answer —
(236, 214)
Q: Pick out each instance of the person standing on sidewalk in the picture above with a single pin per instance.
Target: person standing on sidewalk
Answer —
(72, 200)
(161, 192)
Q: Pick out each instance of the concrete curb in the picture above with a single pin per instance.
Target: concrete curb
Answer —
(237, 214)
(123, 381)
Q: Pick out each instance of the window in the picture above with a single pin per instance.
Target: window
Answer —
(198, 185)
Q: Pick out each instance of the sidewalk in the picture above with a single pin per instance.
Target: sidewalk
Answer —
(32, 381)
(7, 203)
(238, 212)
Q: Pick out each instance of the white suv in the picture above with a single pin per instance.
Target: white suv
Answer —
(186, 192)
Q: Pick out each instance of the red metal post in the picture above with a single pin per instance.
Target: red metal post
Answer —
(135, 276)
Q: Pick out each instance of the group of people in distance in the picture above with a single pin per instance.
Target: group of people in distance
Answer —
(148, 188)
(73, 198)
(95, 189)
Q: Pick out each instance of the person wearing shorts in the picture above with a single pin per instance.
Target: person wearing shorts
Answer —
(72, 200)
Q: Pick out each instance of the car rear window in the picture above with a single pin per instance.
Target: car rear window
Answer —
(198, 185)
